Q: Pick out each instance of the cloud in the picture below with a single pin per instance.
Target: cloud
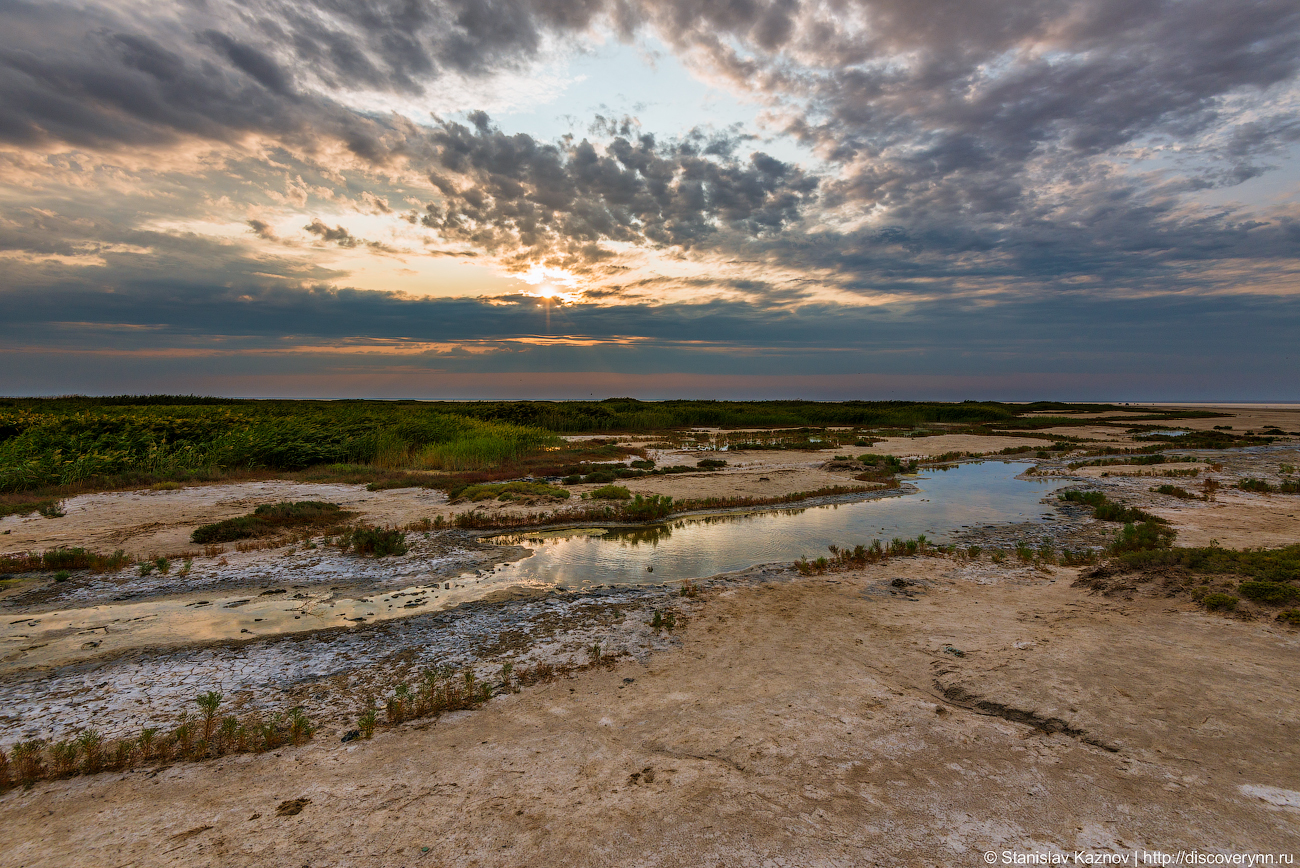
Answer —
(939, 166)
(340, 236)
(533, 201)
(262, 230)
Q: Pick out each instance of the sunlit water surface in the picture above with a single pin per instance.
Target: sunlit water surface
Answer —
(980, 493)
(686, 548)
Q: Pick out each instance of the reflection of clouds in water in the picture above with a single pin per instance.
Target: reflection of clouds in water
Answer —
(698, 546)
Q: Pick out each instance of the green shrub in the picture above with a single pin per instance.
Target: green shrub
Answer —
(1175, 491)
(1257, 485)
(1269, 565)
(1105, 509)
(1219, 602)
(711, 463)
(62, 576)
(612, 492)
(640, 508)
(1143, 537)
(374, 542)
(1273, 593)
(506, 491)
(268, 519)
(1290, 617)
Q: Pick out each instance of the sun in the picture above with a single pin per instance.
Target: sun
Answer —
(552, 284)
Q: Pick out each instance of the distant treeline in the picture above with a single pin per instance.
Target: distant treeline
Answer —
(628, 415)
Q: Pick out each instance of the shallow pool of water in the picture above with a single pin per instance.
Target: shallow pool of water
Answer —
(691, 547)
(982, 493)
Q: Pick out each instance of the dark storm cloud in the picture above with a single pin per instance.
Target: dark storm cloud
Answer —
(515, 195)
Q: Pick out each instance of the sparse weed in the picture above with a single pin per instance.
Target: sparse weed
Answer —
(91, 744)
(63, 757)
(366, 723)
(209, 703)
(53, 509)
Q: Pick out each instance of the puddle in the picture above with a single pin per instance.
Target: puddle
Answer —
(687, 548)
(697, 546)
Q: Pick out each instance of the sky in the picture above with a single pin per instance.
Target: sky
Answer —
(871, 199)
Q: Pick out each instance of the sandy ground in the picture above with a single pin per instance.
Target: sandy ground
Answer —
(1244, 418)
(793, 721)
(821, 721)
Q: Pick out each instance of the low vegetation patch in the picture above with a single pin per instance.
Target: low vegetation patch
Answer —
(1176, 491)
(62, 559)
(611, 492)
(1106, 509)
(1144, 537)
(374, 542)
(1263, 565)
(859, 556)
(506, 491)
(1260, 486)
(205, 735)
(1219, 602)
(270, 519)
(1272, 593)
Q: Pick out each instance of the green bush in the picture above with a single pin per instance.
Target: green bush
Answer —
(1143, 537)
(268, 519)
(506, 491)
(1273, 593)
(374, 542)
(647, 508)
(1105, 509)
(1290, 617)
(1269, 565)
(1219, 602)
(711, 464)
(612, 492)
(1256, 485)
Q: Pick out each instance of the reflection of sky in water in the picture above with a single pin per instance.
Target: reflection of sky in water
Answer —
(688, 548)
(968, 494)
